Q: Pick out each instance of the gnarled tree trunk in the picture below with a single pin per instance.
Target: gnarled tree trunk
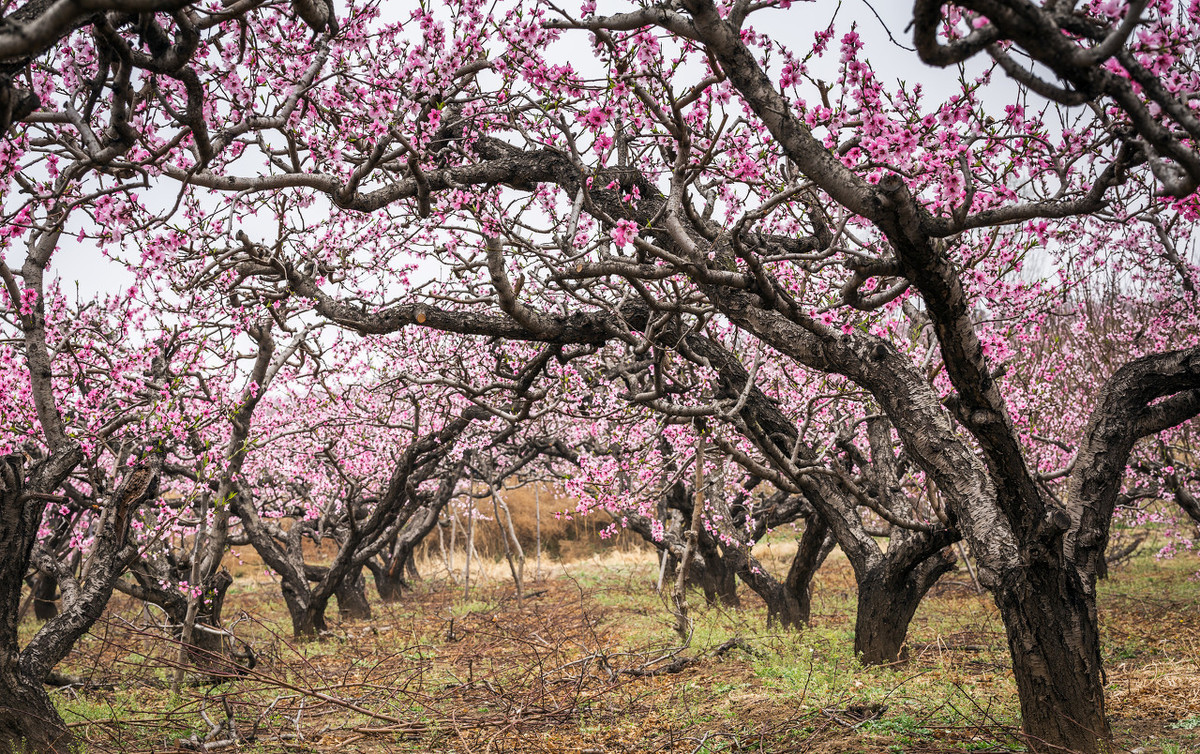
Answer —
(718, 578)
(208, 646)
(308, 622)
(815, 545)
(28, 720)
(789, 601)
(389, 583)
(888, 597)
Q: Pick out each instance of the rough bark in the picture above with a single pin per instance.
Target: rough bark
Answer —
(1055, 648)
(395, 568)
(717, 578)
(888, 598)
(28, 720)
(389, 584)
(1141, 398)
(410, 563)
(308, 621)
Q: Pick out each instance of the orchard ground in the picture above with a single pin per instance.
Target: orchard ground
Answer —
(590, 663)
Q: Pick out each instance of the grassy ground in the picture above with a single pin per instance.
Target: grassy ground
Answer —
(583, 666)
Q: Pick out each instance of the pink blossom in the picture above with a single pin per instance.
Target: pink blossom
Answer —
(624, 233)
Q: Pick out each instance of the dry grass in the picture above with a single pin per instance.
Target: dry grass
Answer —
(1169, 689)
(437, 673)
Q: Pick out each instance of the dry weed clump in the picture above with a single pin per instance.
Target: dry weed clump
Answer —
(1169, 689)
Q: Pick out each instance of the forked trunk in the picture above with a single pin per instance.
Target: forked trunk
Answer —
(788, 612)
(389, 585)
(389, 579)
(1055, 646)
(308, 624)
(887, 600)
(788, 602)
(784, 607)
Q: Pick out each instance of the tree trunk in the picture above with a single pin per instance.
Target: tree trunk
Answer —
(389, 584)
(307, 622)
(309, 625)
(352, 597)
(1055, 646)
(470, 549)
(683, 624)
(28, 720)
(782, 608)
(508, 535)
(711, 570)
(881, 625)
(887, 600)
(208, 647)
(718, 579)
(410, 566)
(815, 545)
(45, 592)
(788, 602)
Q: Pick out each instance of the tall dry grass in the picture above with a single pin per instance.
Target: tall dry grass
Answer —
(564, 536)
